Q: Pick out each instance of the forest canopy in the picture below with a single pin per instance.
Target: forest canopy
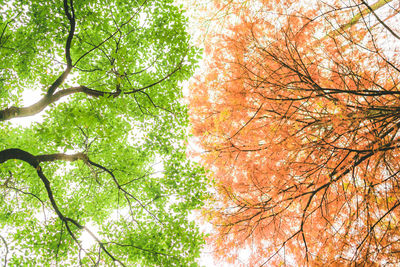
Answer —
(297, 113)
(106, 159)
(294, 110)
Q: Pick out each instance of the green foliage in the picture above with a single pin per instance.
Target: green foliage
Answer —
(139, 208)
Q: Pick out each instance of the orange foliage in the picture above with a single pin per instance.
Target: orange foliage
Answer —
(298, 111)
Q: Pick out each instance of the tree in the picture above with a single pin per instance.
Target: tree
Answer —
(107, 160)
(297, 112)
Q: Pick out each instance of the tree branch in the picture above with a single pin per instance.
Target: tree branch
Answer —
(17, 112)
(5, 244)
(71, 18)
(15, 153)
(357, 17)
(380, 21)
(71, 32)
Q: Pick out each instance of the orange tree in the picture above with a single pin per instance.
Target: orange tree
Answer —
(297, 109)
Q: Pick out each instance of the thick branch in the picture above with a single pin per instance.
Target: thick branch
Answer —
(71, 18)
(62, 156)
(15, 153)
(16, 112)
(71, 32)
(358, 16)
(381, 21)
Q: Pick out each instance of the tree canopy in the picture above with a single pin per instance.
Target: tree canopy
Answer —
(106, 160)
(297, 110)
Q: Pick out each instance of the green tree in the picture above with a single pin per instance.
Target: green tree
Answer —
(107, 158)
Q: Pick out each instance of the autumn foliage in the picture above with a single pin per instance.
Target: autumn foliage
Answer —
(297, 109)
